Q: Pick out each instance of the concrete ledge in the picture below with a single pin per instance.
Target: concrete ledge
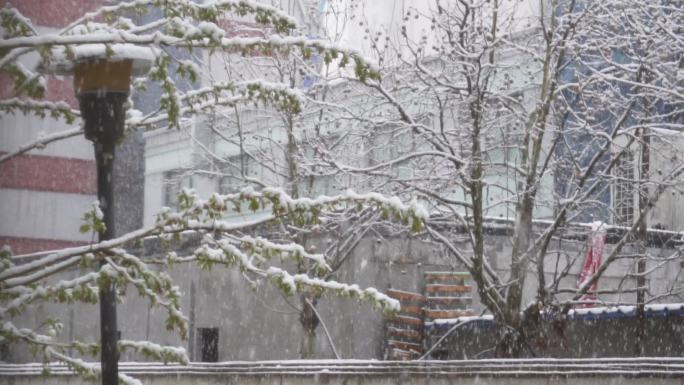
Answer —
(657, 367)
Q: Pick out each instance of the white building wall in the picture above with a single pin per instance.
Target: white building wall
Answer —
(666, 148)
(43, 214)
(19, 129)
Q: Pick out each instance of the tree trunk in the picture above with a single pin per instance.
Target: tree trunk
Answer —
(516, 339)
(511, 345)
(309, 321)
(519, 259)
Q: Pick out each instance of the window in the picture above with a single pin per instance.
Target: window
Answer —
(230, 184)
(322, 185)
(232, 180)
(623, 197)
(4, 351)
(174, 182)
(208, 344)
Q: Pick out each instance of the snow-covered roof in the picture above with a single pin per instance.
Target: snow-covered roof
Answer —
(609, 312)
(586, 314)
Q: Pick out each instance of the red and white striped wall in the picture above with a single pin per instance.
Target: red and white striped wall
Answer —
(44, 193)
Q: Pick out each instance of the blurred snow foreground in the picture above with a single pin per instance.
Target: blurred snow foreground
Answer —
(524, 120)
(26, 280)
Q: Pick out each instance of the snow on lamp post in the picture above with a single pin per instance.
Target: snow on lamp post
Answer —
(102, 77)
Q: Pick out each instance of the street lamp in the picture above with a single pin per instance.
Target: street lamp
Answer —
(102, 77)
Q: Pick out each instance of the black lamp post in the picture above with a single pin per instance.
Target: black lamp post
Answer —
(102, 85)
(102, 90)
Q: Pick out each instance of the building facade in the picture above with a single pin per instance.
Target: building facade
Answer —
(44, 192)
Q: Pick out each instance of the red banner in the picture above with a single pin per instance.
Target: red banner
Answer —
(592, 261)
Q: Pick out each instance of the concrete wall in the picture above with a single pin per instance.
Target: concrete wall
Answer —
(311, 379)
(258, 323)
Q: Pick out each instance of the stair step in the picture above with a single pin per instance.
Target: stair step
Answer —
(449, 303)
(453, 306)
(448, 313)
(436, 276)
(450, 273)
(405, 295)
(405, 320)
(437, 288)
(411, 310)
(431, 301)
(402, 355)
(404, 333)
(405, 345)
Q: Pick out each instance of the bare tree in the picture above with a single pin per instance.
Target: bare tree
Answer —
(525, 116)
(28, 279)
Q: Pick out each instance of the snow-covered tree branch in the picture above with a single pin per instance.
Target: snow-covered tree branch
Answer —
(197, 28)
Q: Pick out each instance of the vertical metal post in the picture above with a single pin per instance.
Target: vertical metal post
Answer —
(104, 155)
(642, 234)
(191, 331)
(103, 115)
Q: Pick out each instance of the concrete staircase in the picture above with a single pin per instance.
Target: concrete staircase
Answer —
(404, 332)
(445, 295)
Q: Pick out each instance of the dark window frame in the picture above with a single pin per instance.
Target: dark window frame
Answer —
(208, 344)
(624, 190)
(174, 181)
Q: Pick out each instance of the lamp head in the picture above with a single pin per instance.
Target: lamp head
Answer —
(102, 80)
